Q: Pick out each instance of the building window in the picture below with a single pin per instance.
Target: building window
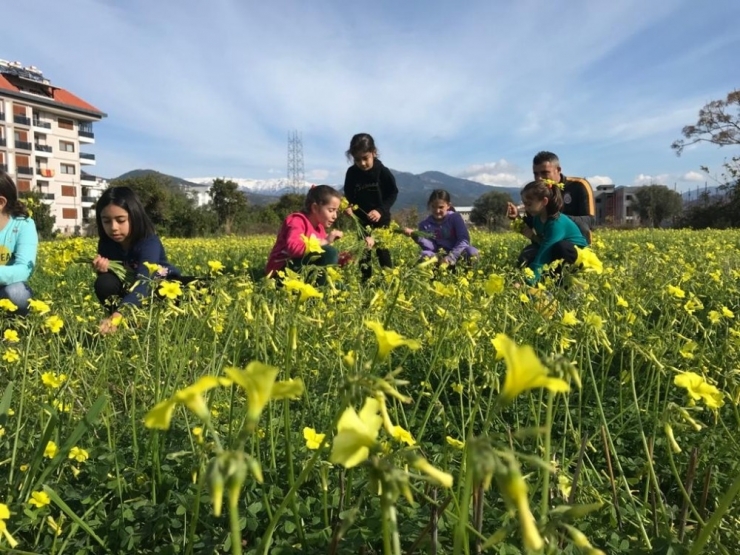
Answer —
(66, 124)
(68, 191)
(69, 169)
(69, 213)
(66, 146)
(23, 185)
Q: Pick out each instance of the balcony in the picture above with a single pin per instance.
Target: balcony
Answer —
(22, 120)
(42, 148)
(25, 170)
(86, 158)
(90, 200)
(46, 196)
(23, 145)
(42, 124)
(45, 172)
(87, 177)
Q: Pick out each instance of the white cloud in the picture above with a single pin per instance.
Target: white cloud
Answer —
(318, 175)
(644, 179)
(502, 173)
(694, 176)
(596, 180)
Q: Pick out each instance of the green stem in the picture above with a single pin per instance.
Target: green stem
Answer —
(545, 503)
(716, 518)
(236, 531)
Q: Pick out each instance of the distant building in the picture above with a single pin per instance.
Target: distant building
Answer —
(616, 205)
(199, 194)
(464, 211)
(42, 131)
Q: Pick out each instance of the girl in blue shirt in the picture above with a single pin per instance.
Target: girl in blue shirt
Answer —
(558, 235)
(127, 235)
(18, 245)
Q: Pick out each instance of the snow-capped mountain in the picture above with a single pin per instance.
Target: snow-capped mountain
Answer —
(269, 187)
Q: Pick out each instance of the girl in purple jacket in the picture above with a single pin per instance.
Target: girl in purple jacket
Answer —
(444, 231)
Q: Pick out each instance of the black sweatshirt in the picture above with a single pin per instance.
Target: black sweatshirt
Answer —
(374, 189)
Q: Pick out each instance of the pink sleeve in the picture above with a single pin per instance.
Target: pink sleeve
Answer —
(294, 245)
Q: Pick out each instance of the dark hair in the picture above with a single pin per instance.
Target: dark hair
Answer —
(15, 207)
(321, 195)
(541, 190)
(140, 226)
(362, 143)
(440, 194)
(545, 156)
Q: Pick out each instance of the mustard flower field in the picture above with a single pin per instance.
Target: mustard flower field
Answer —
(428, 411)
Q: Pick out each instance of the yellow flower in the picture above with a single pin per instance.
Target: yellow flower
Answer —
(313, 245)
(494, 284)
(693, 304)
(588, 260)
(215, 266)
(442, 478)
(306, 290)
(56, 528)
(160, 415)
(594, 320)
(402, 435)
(676, 291)
(39, 499)
(7, 304)
(389, 340)
(687, 351)
(698, 388)
(524, 297)
(170, 289)
(52, 380)
(50, 451)
(151, 267)
(456, 443)
(668, 429)
(356, 434)
(622, 302)
(569, 318)
(40, 307)
(5, 515)
(78, 454)
(714, 317)
(258, 382)
(458, 388)
(727, 313)
(11, 355)
(514, 490)
(524, 370)
(11, 336)
(313, 439)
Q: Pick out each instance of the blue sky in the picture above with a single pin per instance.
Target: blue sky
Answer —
(471, 88)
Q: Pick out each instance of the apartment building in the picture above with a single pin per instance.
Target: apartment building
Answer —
(616, 205)
(45, 132)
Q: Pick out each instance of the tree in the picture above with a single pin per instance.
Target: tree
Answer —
(719, 124)
(228, 202)
(41, 214)
(657, 203)
(489, 210)
(287, 204)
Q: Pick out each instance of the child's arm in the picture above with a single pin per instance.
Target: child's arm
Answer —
(424, 241)
(388, 189)
(150, 250)
(463, 238)
(294, 243)
(24, 255)
(552, 234)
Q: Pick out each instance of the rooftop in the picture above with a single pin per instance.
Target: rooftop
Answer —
(30, 84)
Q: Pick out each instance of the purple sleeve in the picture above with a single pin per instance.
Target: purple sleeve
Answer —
(462, 236)
(425, 243)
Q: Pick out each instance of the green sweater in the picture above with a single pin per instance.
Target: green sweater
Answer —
(557, 228)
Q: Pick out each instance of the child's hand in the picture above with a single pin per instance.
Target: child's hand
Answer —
(334, 235)
(348, 211)
(407, 231)
(528, 232)
(108, 325)
(369, 242)
(511, 211)
(100, 264)
(373, 215)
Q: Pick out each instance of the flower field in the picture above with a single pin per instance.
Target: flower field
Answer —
(428, 412)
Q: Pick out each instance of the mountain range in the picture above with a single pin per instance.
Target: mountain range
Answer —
(413, 189)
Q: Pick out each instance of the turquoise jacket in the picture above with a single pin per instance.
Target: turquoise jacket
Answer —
(18, 245)
(557, 228)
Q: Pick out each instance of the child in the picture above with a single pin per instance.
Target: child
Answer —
(447, 229)
(319, 212)
(18, 244)
(127, 235)
(372, 187)
(558, 234)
